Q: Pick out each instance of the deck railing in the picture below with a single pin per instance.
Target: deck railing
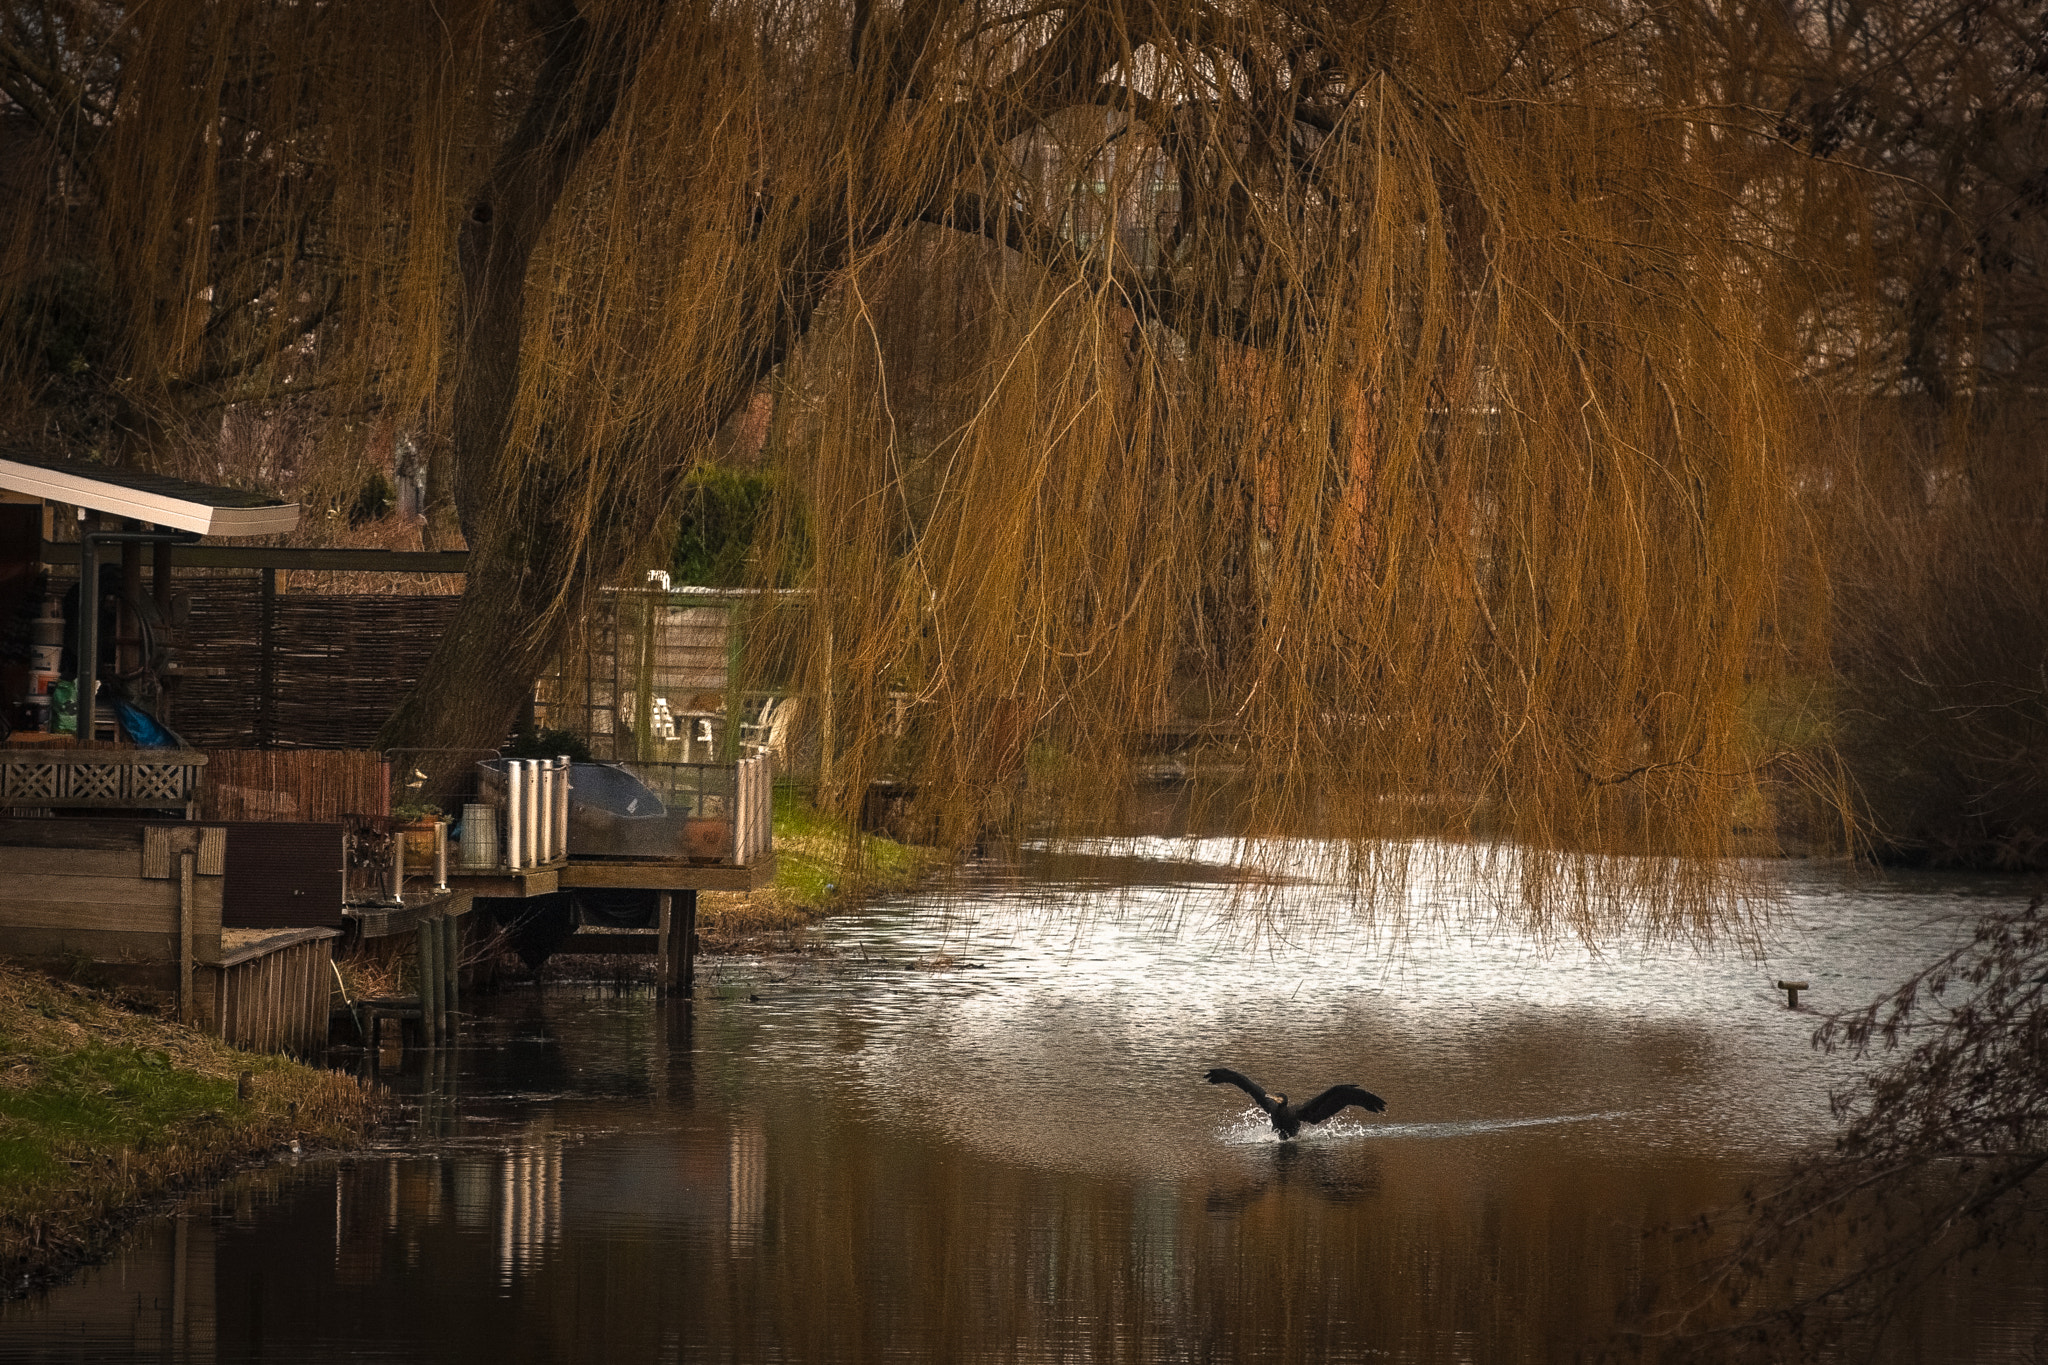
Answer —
(716, 813)
(107, 779)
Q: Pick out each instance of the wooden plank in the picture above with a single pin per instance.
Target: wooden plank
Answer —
(213, 851)
(312, 1003)
(126, 758)
(72, 862)
(540, 881)
(246, 945)
(375, 921)
(659, 875)
(206, 902)
(430, 986)
(38, 923)
(48, 833)
(273, 1001)
(33, 899)
(65, 555)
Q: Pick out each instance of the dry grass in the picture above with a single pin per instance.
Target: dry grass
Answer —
(766, 921)
(819, 871)
(103, 1110)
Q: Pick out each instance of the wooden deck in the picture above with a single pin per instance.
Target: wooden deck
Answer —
(664, 874)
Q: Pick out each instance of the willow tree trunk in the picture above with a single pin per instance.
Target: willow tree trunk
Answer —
(519, 558)
(532, 561)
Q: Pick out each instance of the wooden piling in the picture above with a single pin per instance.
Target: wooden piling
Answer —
(429, 973)
(453, 957)
(686, 935)
(188, 1009)
(665, 958)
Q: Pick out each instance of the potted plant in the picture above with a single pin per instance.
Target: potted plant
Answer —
(416, 822)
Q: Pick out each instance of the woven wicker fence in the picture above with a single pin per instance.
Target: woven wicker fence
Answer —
(316, 785)
(335, 668)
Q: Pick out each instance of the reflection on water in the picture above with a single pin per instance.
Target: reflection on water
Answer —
(1016, 1158)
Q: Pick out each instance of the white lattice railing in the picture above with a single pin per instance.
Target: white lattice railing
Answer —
(108, 778)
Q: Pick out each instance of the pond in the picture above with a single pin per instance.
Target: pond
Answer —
(976, 1129)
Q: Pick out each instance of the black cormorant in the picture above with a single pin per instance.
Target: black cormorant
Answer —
(1287, 1119)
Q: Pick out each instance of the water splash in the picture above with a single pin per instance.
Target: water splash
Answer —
(1253, 1128)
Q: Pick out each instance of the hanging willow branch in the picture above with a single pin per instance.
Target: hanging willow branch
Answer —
(1384, 398)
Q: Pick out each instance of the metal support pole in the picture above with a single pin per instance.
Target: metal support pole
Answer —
(515, 811)
(544, 811)
(398, 867)
(533, 824)
(562, 806)
(88, 625)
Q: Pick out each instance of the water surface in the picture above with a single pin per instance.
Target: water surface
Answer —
(977, 1130)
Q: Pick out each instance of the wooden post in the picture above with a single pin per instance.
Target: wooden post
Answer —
(452, 943)
(688, 938)
(429, 1005)
(1792, 989)
(188, 1012)
(664, 942)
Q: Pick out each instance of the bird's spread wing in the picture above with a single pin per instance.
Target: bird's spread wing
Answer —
(1335, 1098)
(1223, 1075)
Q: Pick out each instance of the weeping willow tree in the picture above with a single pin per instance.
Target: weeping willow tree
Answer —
(1393, 392)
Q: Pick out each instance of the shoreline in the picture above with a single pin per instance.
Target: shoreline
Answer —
(106, 1112)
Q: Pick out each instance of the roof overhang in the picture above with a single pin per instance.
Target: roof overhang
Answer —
(175, 503)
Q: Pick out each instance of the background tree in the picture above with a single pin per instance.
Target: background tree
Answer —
(1924, 476)
(1938, 1164)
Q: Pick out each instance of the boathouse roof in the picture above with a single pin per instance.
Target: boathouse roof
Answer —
(176, 503)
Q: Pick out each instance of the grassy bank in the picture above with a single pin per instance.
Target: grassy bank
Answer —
(103, 1110)
(812, 880)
